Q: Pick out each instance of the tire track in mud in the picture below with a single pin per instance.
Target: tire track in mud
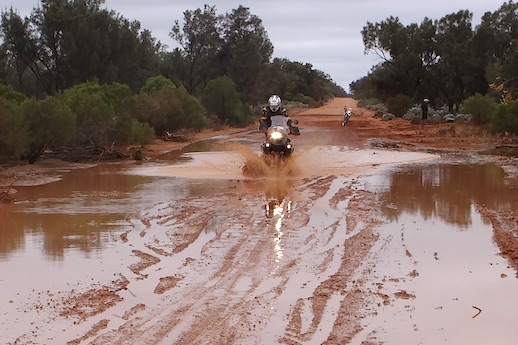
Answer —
(285, 279)
(339, 287)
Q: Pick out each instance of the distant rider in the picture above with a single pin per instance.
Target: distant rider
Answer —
(424, 108)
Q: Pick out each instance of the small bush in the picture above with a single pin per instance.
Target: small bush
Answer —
(141, 133)
(14, 135)
(195, 114)
(505, 119)
(480, 107)
(413, 113)
(50, 122)
(221, 98)
(399, 104)
(463, 118)
(7, 93)
(435, 118)
(378, 109)
(156, 83)
(365, 102)
(388, 117)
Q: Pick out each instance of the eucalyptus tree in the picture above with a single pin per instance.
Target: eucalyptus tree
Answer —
(406, 54)
(246, 51)
(458, 68)
(66, 42)
(280, 79)
(299, 81)
(497, 40)
(22, 50)
(200, 41)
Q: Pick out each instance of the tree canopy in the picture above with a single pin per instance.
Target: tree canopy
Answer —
(63, 43)
(66, 42)
(445, 60)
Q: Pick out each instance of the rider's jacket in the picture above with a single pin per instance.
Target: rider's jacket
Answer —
(268, 112)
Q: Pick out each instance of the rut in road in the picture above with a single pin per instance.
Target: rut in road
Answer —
(243, 276)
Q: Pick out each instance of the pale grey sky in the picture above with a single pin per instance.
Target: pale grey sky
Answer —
(325, 33)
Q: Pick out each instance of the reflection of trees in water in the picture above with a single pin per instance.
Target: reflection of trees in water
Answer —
(57, 233)
(80, 232)
(74, 213)
(446, 191)
(11, 236)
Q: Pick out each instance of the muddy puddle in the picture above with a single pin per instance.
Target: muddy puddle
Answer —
(443, 277)
(437, 264)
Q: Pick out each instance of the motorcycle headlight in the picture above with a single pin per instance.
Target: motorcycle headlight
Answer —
(289, 146)
(276, 135)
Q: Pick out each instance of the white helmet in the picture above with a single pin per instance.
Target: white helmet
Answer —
(274, 102)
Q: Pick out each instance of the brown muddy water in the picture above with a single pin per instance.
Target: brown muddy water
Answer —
(439, 258)
(66, 234)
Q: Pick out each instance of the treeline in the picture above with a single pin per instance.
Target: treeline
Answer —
(445, 60)
(78, 76)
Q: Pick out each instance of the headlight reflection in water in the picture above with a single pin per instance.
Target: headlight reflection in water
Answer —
(280, 212)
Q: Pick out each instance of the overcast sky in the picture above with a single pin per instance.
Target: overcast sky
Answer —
(325, 33)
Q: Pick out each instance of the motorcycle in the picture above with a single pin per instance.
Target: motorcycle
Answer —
(277, 141)
(347, 115)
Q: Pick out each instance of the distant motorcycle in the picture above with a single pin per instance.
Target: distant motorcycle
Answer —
(347, 115)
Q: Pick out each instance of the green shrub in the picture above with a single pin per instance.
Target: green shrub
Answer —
(14, 138)
(95, 118)
(481, 108)
(141, 133)
(102, 111)
(399, 104)
(155, 109)
(505, 119)
(365, 102)
(50, 122)
(114, 95)
(195, 114)
(169, 110)
(220, 98)
(7, 93)
(156, 83)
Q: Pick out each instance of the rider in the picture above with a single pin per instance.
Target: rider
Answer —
(424, 108)
(274, 108)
